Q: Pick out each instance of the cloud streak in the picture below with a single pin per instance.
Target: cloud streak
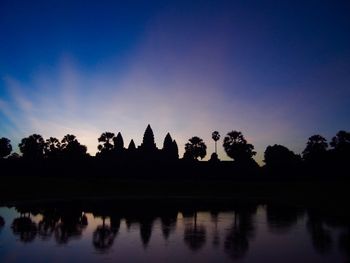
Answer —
(181, 78)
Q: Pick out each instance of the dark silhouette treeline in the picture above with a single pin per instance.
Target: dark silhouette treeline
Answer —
(318, 154)
(64, 222)
(63, 170)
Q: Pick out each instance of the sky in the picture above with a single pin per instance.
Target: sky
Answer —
(278, 71)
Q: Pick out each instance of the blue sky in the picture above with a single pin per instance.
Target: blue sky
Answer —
(279, 71)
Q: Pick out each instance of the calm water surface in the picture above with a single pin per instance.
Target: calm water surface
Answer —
(242, 233)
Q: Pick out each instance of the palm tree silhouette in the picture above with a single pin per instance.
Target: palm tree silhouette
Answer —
(215, 136)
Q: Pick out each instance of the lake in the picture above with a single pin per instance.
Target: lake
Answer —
(158, 231)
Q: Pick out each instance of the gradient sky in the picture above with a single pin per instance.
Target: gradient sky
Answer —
(279, 71)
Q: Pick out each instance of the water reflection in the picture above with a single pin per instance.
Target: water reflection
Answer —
(23, 226)
(47, 225)
(194, 235)
(241, 231)
(2, 222)
(71, 225)
(233, 230)
(344, 242)
(168, 221)
(281, 218)
(320, 235)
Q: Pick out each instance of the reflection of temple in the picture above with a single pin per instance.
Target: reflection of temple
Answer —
(63, 223)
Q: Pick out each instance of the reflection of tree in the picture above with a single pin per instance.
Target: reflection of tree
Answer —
(71, 226)
(195, 235)
(25, 228)
(48, 224)
(281, 218)
(320, 236)
(103, 236)
(237, 240)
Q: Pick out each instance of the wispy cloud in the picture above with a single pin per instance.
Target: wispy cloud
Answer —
(184, 87)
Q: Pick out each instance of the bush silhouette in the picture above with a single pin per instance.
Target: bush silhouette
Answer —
(71, 148)
(106, 143)
(32, 147)
(5, 147)
(52, 148)
(316, 149)
(195, 148)
(341, 147)
(279, 156)
(237, 148)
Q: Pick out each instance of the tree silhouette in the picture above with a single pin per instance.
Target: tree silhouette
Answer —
(341, 141)
(279, 156)
(237, 148)
(341, 146)
(5, 147)
(32, 147)
(170, 150)
(195, 148)
(316, 149)
(215, 136)
(52, 148)
(106, 146)
(71, 148)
